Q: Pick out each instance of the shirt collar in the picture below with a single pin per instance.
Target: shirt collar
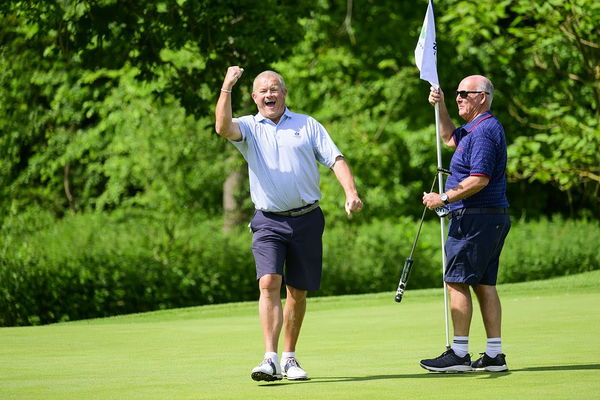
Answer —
(286, 114)
(469, 126)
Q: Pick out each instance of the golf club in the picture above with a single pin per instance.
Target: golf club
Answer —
(408, 264)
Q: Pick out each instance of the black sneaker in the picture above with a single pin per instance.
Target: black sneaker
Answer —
(487, 363)
(448, 362)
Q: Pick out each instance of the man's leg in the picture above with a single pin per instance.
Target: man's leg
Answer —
(269, 239)
(271, 320)
(293, 315)
(491, 312)
(270, 310)
(461, 307)
(491, 309)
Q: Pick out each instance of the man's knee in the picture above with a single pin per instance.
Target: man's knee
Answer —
(270, 282)
(458, 287)
(485, 291)
(296, 294)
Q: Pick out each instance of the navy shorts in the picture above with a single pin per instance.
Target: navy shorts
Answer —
(293, 242)
(473, 248)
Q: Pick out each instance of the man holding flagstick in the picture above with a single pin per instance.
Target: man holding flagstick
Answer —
(479, 222)
(476, 196)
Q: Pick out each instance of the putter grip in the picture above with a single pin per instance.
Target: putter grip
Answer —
(404, 279)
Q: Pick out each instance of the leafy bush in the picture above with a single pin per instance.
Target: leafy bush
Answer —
(96, 265)
(548, 248)
(370, 258)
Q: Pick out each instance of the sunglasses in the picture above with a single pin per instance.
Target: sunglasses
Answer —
(465, 93)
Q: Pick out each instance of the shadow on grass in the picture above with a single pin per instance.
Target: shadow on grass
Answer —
(558, 368)
(430, 375)
(425, 374)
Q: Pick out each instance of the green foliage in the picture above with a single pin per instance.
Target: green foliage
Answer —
(140, 153)
(94, 265)
(106, 114)
(109, 106)
(548, 248)
(360, 80)
(543, 57)
(111, 34)
(105, 104)
(370, 258)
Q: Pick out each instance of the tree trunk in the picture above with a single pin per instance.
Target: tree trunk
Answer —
(67, 187)
(232, 212)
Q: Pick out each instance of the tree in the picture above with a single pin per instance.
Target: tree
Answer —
(64, 64)
(544, 58)
(95, 94)
(356, 73)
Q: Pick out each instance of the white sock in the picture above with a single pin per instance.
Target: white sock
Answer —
(288, 354)
(272, 356)
(494, 347)
(460, 345)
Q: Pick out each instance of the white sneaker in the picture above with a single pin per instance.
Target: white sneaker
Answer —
(292, 370)
(267, 370)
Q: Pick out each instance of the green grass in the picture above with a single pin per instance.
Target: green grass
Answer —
(354, 347)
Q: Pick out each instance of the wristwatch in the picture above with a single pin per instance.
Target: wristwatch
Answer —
(444, 198)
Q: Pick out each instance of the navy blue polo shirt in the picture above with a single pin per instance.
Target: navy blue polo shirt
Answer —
(480, 151)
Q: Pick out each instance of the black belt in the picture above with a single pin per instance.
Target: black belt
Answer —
(468, 211)
(296, 212)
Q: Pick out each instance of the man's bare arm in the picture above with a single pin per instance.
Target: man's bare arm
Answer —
(466, 188)
(446, 125)
(224, 123)
(344, 176)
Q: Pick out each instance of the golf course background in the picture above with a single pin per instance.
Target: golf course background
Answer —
(117, 198)
(353, 347)
(69, 271)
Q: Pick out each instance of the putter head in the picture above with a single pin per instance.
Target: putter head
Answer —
(399, 293)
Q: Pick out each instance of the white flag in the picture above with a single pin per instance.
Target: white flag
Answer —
(426, 50)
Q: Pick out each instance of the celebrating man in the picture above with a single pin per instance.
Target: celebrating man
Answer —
(282, 149)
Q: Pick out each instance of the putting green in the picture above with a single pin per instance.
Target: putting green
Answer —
(353, 347)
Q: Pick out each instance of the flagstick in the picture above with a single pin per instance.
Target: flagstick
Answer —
(442, 227)
(426, 60)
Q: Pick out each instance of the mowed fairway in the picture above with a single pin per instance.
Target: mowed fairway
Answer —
(353, 347)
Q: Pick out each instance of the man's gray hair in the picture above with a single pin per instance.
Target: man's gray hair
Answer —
(269, 72)
(487, 86)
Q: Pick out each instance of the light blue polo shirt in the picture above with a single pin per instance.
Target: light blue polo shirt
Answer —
(282, 159)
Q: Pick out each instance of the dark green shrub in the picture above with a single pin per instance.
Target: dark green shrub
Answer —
(548, 248)
(370, 258)
(96, 265)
